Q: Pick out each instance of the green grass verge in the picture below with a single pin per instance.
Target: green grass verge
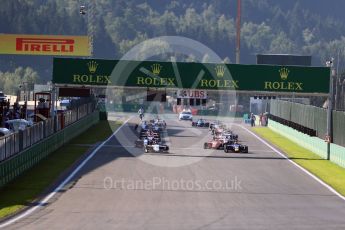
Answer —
(26, 188)
(332, 174)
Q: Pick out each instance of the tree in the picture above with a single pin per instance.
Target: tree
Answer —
(206, 58)
(281, 44)
(226, 60)
(257, 37)
(306, 27)
(10, 81)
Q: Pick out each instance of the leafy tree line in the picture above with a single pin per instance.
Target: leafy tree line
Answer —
(268, 26)
(10, 82)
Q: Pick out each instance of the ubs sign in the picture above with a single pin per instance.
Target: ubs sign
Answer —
(197, 94)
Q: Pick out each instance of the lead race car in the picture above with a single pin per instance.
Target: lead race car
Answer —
(150, 131)
(139, 143)
(156, 148)
(235, 147)
(201, 123)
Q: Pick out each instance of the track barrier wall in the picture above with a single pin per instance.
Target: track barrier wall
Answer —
(17, 164)
(311, 117)
(314, 144)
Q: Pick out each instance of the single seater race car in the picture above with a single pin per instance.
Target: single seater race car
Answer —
(214, 144)
(139, 143)
(157, 124)
(144, 134)
(201, 123)
(218, 129)
(235, 147)
(214, 123)
(156, 148)
(229, 136)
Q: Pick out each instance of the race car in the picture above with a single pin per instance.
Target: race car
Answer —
(214, 144)
(218, 129)
(201, 123)
(157, 125)
(235, 147)
(229, 136)
(144, 134)
(214, 123)
(139, 143)
(149, 135)
(156, 148)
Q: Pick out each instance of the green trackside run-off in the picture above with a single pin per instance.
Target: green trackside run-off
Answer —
(210, 76)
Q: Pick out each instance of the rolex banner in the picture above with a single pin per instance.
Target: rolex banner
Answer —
(200, 76)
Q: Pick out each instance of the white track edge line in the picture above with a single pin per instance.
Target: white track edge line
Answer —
(294, 163)
(57, 189)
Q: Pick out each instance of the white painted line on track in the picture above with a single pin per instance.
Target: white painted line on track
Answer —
(294, 163)
(58, 188)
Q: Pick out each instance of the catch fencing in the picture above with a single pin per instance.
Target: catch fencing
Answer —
(18, 163)
(19, 141)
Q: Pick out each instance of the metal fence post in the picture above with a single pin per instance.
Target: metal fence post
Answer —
(45, 128)
(55, 123)
(21, 141)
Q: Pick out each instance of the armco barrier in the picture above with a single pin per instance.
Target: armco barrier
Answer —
(16, 165)
(314, 144)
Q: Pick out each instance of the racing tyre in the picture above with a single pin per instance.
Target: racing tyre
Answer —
(205, 146)
(146, 150)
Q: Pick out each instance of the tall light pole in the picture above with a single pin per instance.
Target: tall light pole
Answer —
(330, 107)
(91, 24)
(238, 32)
(338, 101)
(89, 11)
(343, 95)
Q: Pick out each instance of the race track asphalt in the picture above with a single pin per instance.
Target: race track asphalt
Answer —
(188, 188)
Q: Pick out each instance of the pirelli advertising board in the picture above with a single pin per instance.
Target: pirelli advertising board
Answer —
(55, 45)
(201, 76)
